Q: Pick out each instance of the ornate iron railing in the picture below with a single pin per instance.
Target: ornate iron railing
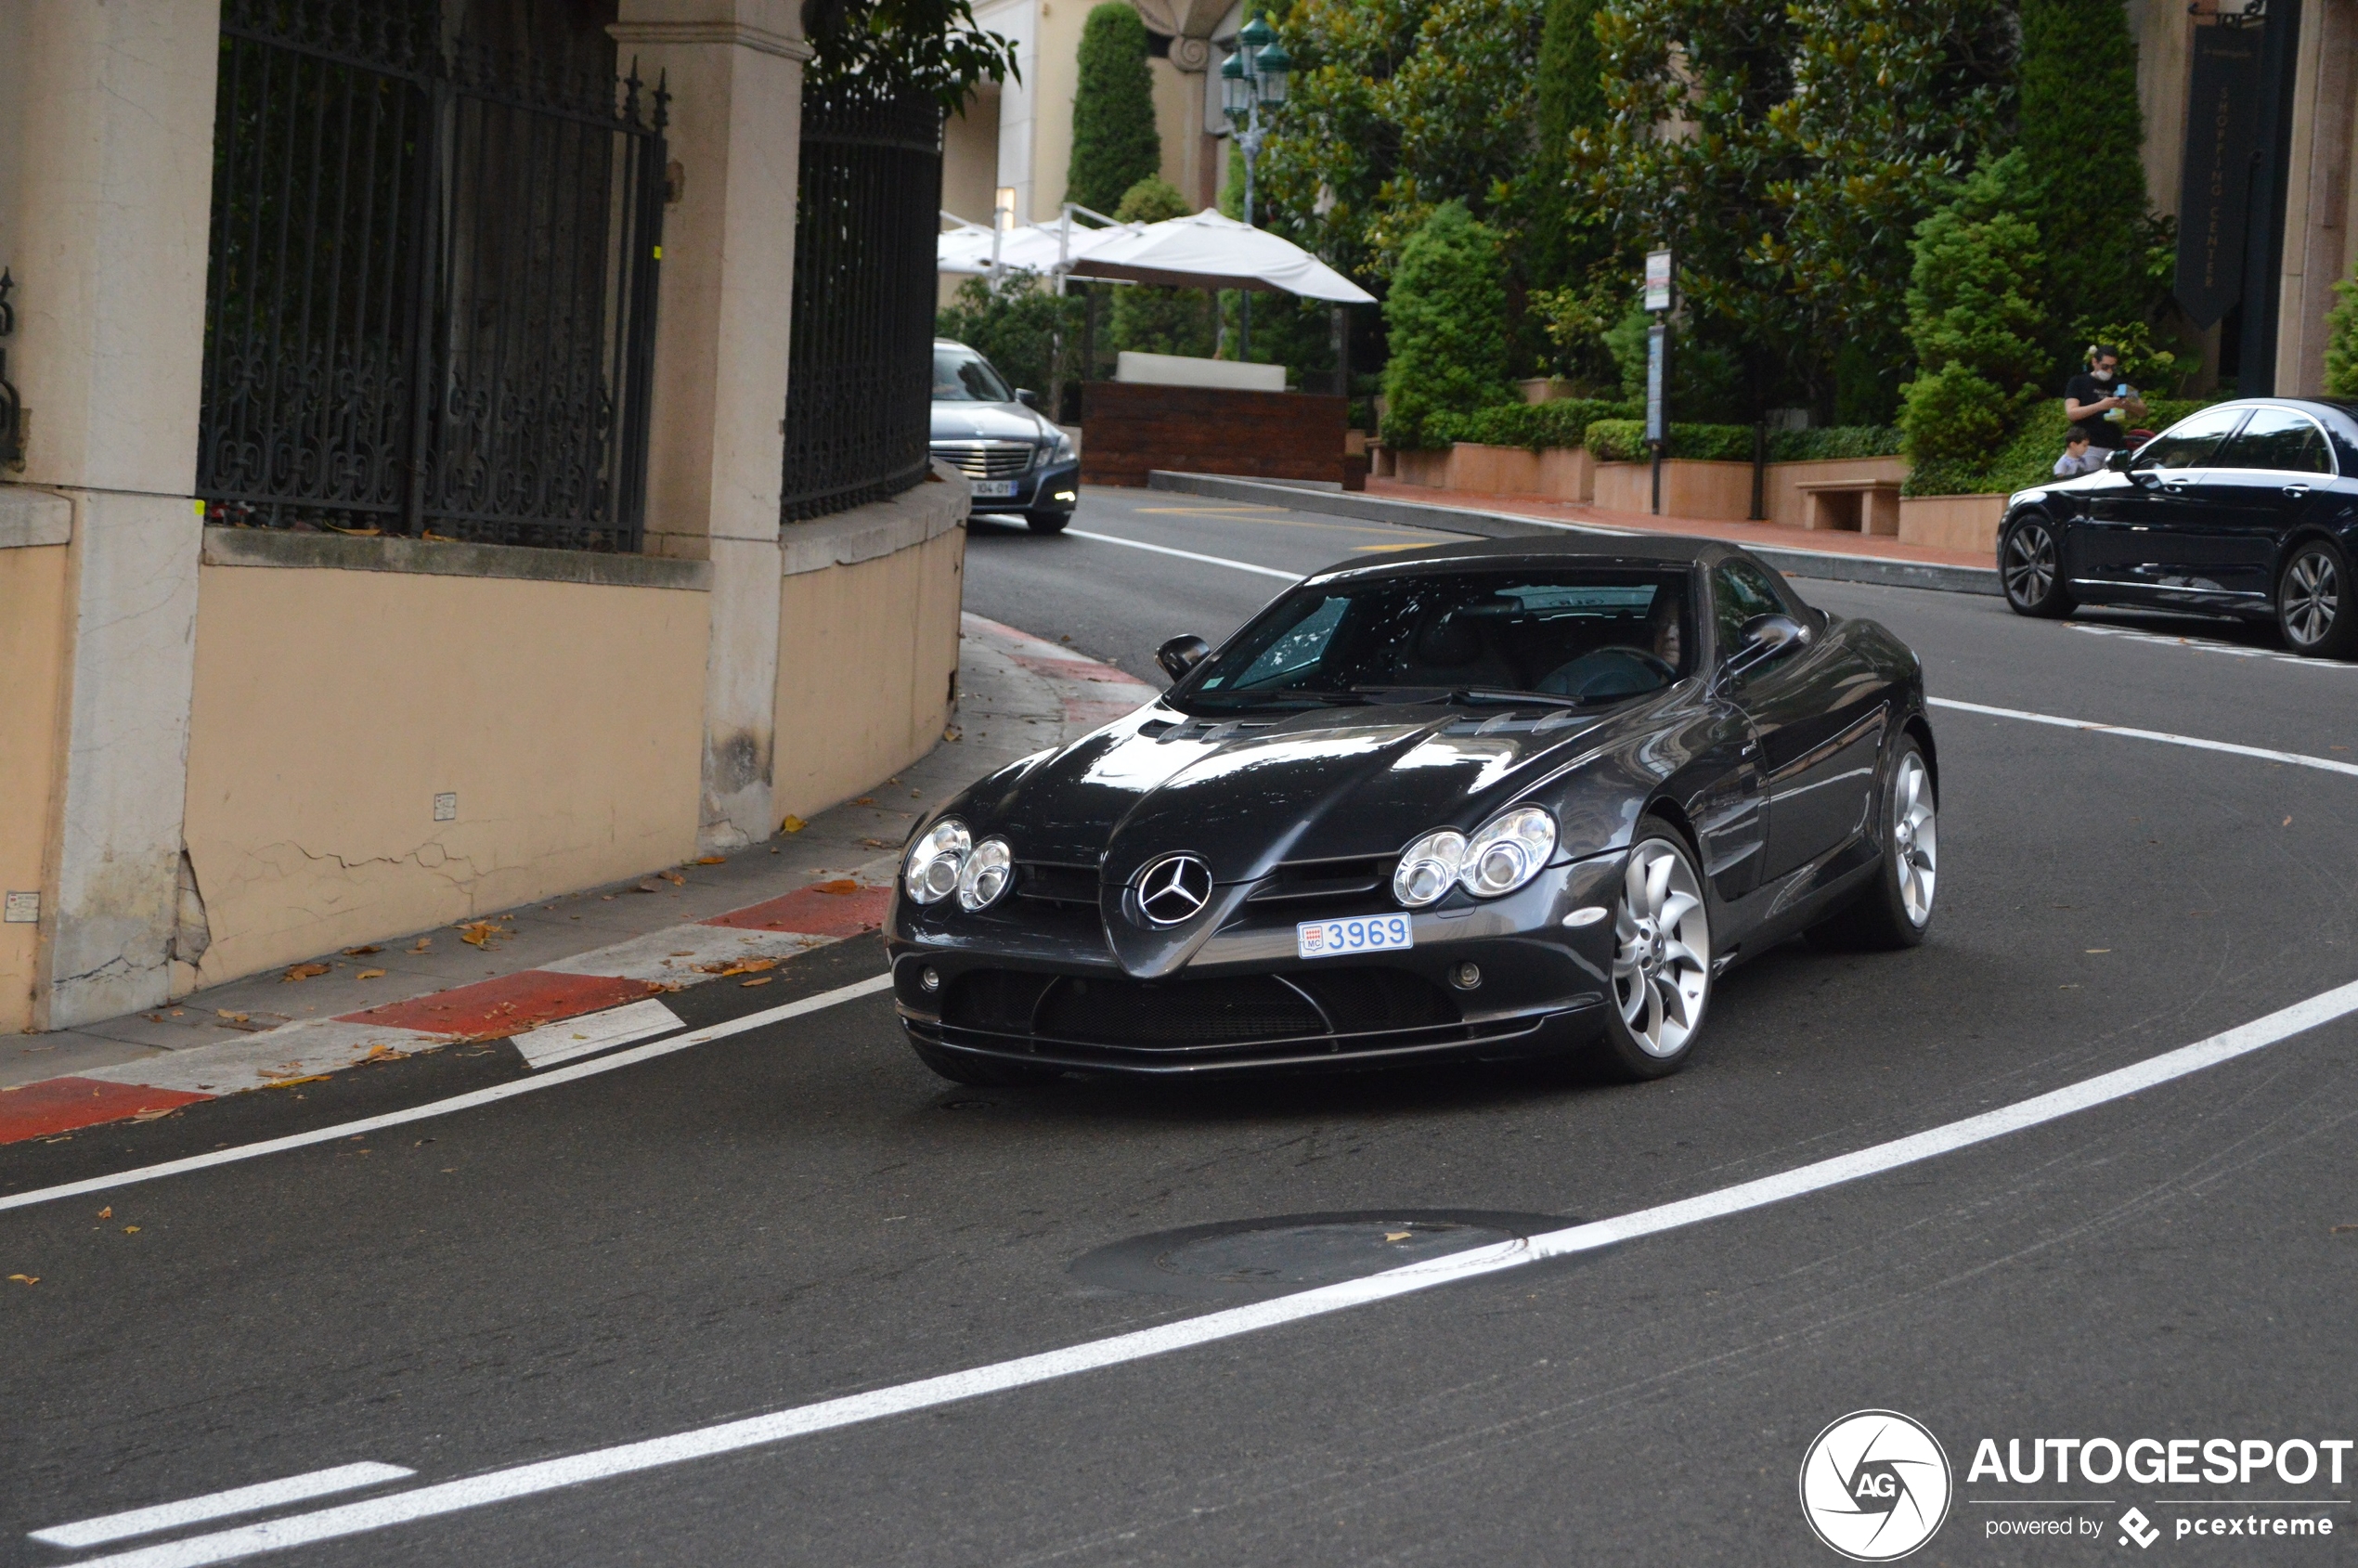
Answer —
(860, 377)
(431, 302)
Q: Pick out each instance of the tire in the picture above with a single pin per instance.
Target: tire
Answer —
(2030, 568)
(977, 1073)
(1046, 522)
(2313, 607)
(1660, 989)
(1895, 909)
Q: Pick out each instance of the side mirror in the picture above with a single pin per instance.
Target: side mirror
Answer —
(1766, 638)
(2122, 460)
(1028, 397)
(1180, 654)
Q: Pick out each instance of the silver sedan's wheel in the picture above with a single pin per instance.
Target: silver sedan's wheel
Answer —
(1915, 838)
(1661, 952)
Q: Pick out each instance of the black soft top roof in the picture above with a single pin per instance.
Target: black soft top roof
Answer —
(1553, 550)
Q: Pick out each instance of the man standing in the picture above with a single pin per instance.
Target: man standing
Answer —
(2093, 393)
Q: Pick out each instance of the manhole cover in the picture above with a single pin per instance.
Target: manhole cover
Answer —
(1244, 1259)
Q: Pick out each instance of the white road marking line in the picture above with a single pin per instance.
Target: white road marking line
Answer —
(2291, 759)
(548, 1475)
(492, 1096)
(568, 1037)
(1188, 555)
(218, 1504)
(2207, 646)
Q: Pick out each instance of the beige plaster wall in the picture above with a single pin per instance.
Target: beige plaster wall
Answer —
(1718, 491)
(34, 618)
(1952, 522)
(861, 695)
(331, 707)
(1788, 504)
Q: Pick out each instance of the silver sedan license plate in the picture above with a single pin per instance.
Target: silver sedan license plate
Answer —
(1333, 939)
(994, 487)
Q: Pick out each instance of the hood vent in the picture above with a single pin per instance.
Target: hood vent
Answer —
(1206, 729)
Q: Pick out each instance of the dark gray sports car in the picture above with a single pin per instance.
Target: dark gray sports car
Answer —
(1478, 800)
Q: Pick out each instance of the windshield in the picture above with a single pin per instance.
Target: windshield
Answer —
(1579, 635)
(960, 375)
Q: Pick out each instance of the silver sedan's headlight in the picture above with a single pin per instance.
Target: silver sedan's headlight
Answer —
(1060, 450)
(931, 871)
(1429, 868)
(1508, 851)
(985, 874)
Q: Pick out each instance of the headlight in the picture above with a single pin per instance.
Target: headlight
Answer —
(1061, 449)
(1428, 867)
(985, 875)
(1508, 851)
(935, 860)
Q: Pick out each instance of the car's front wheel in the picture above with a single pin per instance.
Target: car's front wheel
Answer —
(1662, 958)
(2313, 601)
(2030, 568)
(1896, 909)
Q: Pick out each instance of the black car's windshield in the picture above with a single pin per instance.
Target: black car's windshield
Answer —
(960, 375)
(1583, 634)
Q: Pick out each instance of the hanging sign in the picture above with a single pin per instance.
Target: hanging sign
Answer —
(2214, 191)
(1657, 279)
(1657, 365)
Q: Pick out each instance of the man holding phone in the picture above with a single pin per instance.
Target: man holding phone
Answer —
(2092, 401)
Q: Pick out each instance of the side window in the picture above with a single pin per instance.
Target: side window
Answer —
(2276, 438)
(1738, 592)
(2190, 442)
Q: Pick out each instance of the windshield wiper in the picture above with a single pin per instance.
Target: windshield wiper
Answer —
(1486, 697)
(1243, 702)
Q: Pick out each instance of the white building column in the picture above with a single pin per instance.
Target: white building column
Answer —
(725, 306)
(109, 122)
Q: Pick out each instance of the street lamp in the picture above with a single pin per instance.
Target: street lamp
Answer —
(1251, 80)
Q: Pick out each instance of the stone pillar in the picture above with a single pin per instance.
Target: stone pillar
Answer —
(110, 130)
(2318, 250)
(734, 68)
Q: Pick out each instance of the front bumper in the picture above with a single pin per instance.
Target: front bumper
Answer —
(1041, 988)
(1054, 488)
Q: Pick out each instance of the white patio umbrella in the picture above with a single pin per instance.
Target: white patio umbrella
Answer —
(1039, 247)
(1211, 251)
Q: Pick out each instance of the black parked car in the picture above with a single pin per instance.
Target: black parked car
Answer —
(2247, 509)
(1018, 462)
(1476, 800)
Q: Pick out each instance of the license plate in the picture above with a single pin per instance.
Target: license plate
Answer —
(1333, 939)
(995, 487)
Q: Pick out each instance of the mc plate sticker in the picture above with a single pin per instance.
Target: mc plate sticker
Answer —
(1329, 938)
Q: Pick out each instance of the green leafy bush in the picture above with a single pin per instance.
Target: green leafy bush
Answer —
(1152, 320)
(1016, 326)
(2029, 457)
(1625, 441)
(1974, 322)
(1830, 441)
(2341, 341)
(1446, 315)
(1535, 426)
(2085, 178)
(1114, 141)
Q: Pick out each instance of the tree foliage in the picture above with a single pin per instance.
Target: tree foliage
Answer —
(1114, 144)
(1568, 98)
(2081, 134)
(935, 46)
(1019, 325)
(1974, 321)
(2341, 341)
(1446, 311)
(1159, 320)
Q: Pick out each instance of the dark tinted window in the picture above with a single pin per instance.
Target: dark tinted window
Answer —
(2276, 438)
(2192, 442)
(960, 375)
(1738, 592)
(1593, 634)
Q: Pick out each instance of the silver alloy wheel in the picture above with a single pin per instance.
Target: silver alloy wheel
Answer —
(2029, 566)
(1662, 957)
(2311, 598)
(1915, 838)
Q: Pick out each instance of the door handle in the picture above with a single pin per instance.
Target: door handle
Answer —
(2296, 491)
(2177, 486)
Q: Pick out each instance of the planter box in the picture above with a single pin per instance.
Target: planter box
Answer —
(1968, 523)
(1563, 474)
(1719, 492)
(1128, 429)
(1789, 503)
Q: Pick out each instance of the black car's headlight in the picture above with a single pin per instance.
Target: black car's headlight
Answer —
(1429, 868)
(1503, 854)
(931, 871)
(985, 874)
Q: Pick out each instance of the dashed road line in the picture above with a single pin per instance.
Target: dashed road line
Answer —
(1188, 555)
(2289, 759)
(2207, 646)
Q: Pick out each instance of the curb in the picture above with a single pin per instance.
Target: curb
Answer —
(1826, 565)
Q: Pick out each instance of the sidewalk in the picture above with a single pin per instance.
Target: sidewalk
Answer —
(592, 961)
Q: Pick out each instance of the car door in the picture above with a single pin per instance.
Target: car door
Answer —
(1818, 725)
(2258, 488)
(2129, 545)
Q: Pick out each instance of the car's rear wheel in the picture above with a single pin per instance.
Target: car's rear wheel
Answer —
(1895, 909)
(2030, 569)
(2314, 608)
(975, 1072)
(1047, 522)
(1662, 958)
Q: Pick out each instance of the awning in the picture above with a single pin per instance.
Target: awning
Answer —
(1211, 251)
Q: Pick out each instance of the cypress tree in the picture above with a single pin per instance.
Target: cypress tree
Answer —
(1114, 141)
(1569, 95)
(2081, 131)
(1446, 315)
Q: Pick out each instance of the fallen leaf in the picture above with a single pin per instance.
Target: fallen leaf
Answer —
(865, 800)
(710, 859)
(303, 972)
(383, 1053)
(729, 967)
(131, 1230)
(106, 1212)
(1398, 1235)
(792, 824)
(290, 1082)
(684, 953)
(362, 952)
(952, 733)
(153, 1115)
(2288, 822)
(763, 979)
(481, 933)
(2337, 1230)
(874, 844)
(423, 944)
(233, 1017)
(840, 885)
(673, 877)
(26, 1278)
(647, 887)
(369, 975)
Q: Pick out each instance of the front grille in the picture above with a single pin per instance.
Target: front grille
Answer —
(987, 459)
(1051, 883)
(1210, 1012)
(1305, 884)
(1360, 1000)
(999, 1001)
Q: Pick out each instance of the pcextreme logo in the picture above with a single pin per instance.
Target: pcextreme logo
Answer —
(1875, 1485)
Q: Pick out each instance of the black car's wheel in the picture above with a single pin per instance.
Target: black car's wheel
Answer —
(2313, 601)
(1895, 909)
(1662, 958)
(974, 1070)
(2030, 568)
(1047, 522)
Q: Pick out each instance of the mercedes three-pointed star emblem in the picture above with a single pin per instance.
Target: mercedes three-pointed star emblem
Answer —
(1171, 890)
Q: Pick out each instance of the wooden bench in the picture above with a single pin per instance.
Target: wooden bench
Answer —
(1854, 506)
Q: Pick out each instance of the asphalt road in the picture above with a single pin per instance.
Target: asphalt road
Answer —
(801, 1212)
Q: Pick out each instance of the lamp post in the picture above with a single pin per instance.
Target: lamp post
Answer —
(1252, 79)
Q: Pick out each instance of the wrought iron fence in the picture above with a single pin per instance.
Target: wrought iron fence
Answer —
(860, 376)
(430, 308)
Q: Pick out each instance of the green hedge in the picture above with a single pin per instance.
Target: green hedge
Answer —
(1625, 441)
(1534, 426)
(1613, 433)
(1835, 441)
(2029, 457)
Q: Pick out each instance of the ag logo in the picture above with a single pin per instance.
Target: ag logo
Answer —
(1875, 1485)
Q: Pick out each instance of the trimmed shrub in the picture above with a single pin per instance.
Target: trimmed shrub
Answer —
(1830, 442)
(1625, 441)
(1446, 316)
(2341, 341)
(1161, 320)
(1974, 322)
(1535, 426)
(1569, 95)
(2080, 137)
(1114, 141)
(2029, 457)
